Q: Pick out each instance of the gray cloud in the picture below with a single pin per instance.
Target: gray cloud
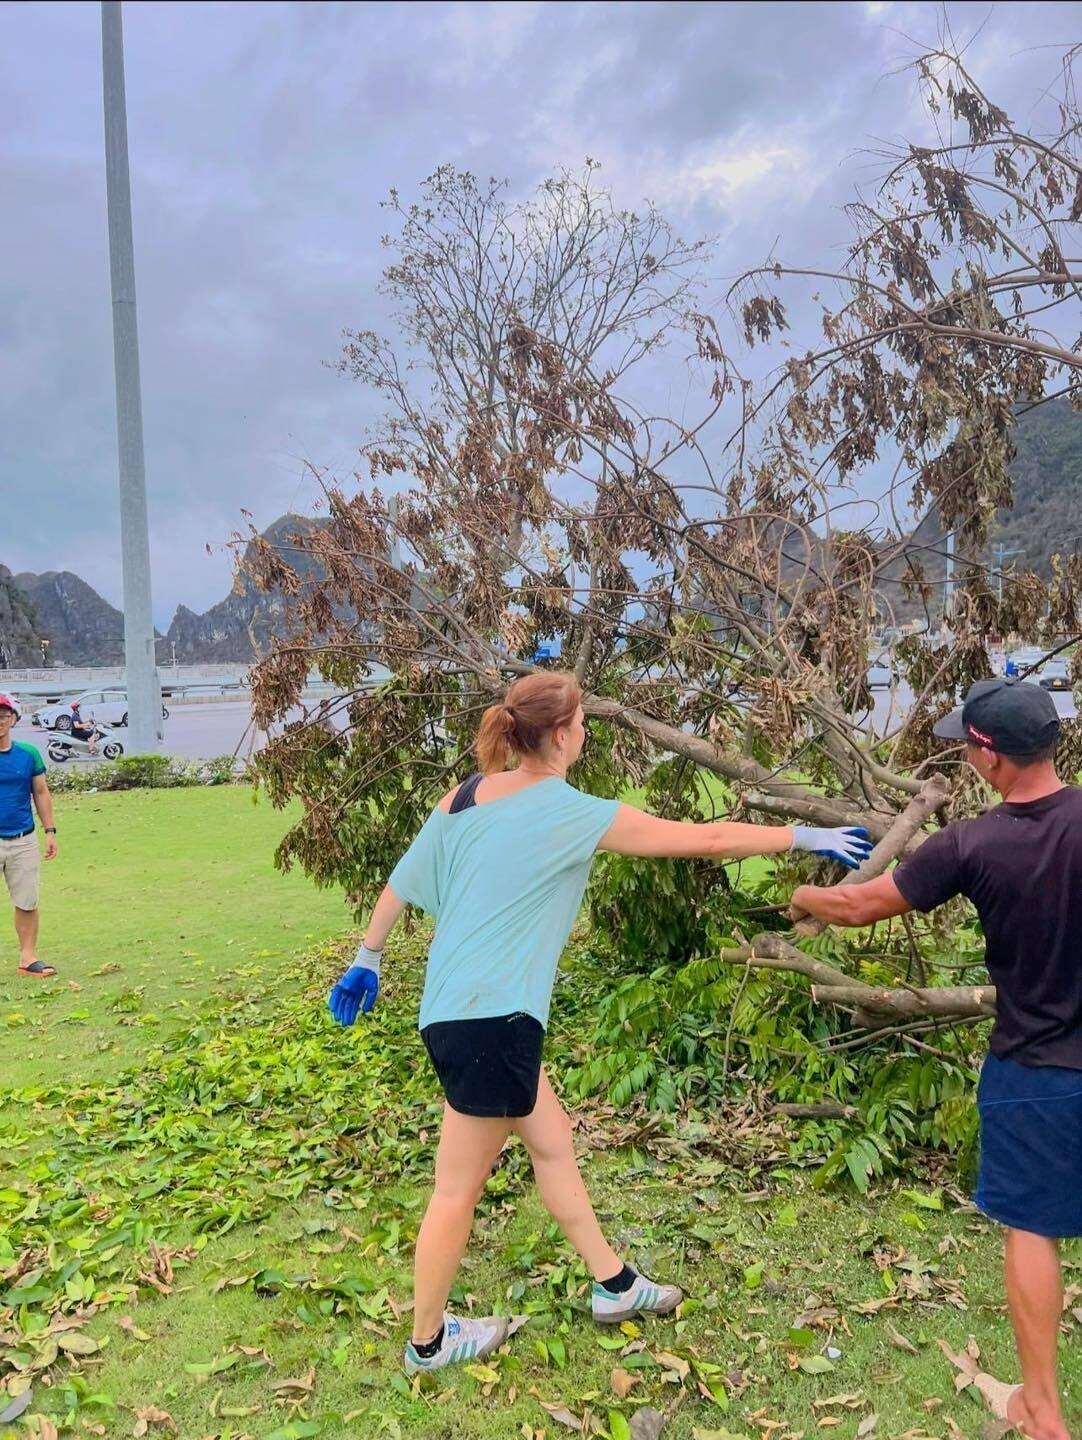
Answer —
(263, 137)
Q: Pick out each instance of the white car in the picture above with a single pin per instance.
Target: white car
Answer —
(880, 676)
(107, 707)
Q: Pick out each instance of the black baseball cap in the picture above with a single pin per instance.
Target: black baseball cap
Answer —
(1011, 717)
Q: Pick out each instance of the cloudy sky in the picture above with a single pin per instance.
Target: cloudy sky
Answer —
(263, 136)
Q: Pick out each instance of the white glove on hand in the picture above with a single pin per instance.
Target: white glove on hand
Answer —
(851, 844)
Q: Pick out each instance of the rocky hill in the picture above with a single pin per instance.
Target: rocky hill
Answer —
(1046, 518)
(241, 627)
(85, 629)
(18, 625)
(81, 627)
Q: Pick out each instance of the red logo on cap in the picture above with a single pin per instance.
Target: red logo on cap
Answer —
(979, 735)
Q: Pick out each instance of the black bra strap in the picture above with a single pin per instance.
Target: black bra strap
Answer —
(464, 795)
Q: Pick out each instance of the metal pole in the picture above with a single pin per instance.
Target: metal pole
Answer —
(948, 586)
(1000, 551)
(141, 674)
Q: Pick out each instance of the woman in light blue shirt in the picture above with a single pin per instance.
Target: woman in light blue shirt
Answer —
(501, 864)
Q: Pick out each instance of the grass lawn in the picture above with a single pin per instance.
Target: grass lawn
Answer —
(156, 900)
(216, 1191)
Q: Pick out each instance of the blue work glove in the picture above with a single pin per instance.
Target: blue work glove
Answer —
(358, 987)
(851, 844)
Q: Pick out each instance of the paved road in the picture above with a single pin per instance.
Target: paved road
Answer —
(201, 732)
(197, 732)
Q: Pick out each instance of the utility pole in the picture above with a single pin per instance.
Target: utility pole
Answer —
(948, 584)
(999, 554)
(140, 669)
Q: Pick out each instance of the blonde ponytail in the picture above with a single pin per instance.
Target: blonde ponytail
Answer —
(492, 746)
(536, 705)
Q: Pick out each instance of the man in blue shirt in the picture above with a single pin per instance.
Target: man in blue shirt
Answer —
(22, 784)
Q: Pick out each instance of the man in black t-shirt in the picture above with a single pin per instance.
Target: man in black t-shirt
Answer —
(1021, 866)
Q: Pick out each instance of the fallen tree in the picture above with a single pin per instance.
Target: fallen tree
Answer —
(699, 573)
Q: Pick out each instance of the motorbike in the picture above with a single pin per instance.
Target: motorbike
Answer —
(68, 747)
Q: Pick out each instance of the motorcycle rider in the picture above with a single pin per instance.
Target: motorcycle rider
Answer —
(84, 729)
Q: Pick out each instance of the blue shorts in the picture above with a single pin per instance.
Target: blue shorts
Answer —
(1030, 1175)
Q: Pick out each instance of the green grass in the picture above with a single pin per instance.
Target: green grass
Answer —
(156, 896)
(282, 1166)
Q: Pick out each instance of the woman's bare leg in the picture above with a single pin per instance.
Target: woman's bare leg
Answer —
(469, 1145)
(546, 1133)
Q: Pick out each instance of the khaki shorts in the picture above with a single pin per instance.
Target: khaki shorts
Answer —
(20, 861)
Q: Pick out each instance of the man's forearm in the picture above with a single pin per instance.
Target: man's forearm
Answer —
(853, 904)
(43, 803)
(835, 904)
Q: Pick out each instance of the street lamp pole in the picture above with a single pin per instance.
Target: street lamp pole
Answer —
(1000, 553)
(141, 674)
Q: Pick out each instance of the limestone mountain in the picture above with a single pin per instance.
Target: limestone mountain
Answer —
(81, 627)
(242, 626)
(84, 629)
(1045, 519)
(18, 625)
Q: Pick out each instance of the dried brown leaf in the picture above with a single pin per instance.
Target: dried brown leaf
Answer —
(647, 1423)
(898, 1340)
(622, 1382)
(153, 1418)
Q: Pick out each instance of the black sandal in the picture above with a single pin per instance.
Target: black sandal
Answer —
(38, 969)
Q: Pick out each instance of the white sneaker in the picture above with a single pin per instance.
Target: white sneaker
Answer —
(644, 1297)
(462, 1340)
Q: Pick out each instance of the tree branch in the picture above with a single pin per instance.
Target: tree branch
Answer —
(934, 793)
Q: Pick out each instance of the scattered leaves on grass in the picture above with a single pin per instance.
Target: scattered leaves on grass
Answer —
(814, 1364)
(560, 1413)
(74, 1342)
(898, 1340)
(846, 1402)
(289, 1392)
(18, 1406)
(647, 1423)
(151, 1418)
(622, 1382)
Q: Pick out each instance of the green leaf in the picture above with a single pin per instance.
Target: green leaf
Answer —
(924, 1200)
(74, 1342)
(619, 1429)
(485, 1374)
(815, 1364)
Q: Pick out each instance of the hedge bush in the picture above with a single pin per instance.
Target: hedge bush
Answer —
(145, 772)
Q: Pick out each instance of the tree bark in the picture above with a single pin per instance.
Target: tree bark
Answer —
(816, 1112)
(771, 951)
(777, 797)
(878, 1007)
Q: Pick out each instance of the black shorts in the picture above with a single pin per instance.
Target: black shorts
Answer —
(489, 1066)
